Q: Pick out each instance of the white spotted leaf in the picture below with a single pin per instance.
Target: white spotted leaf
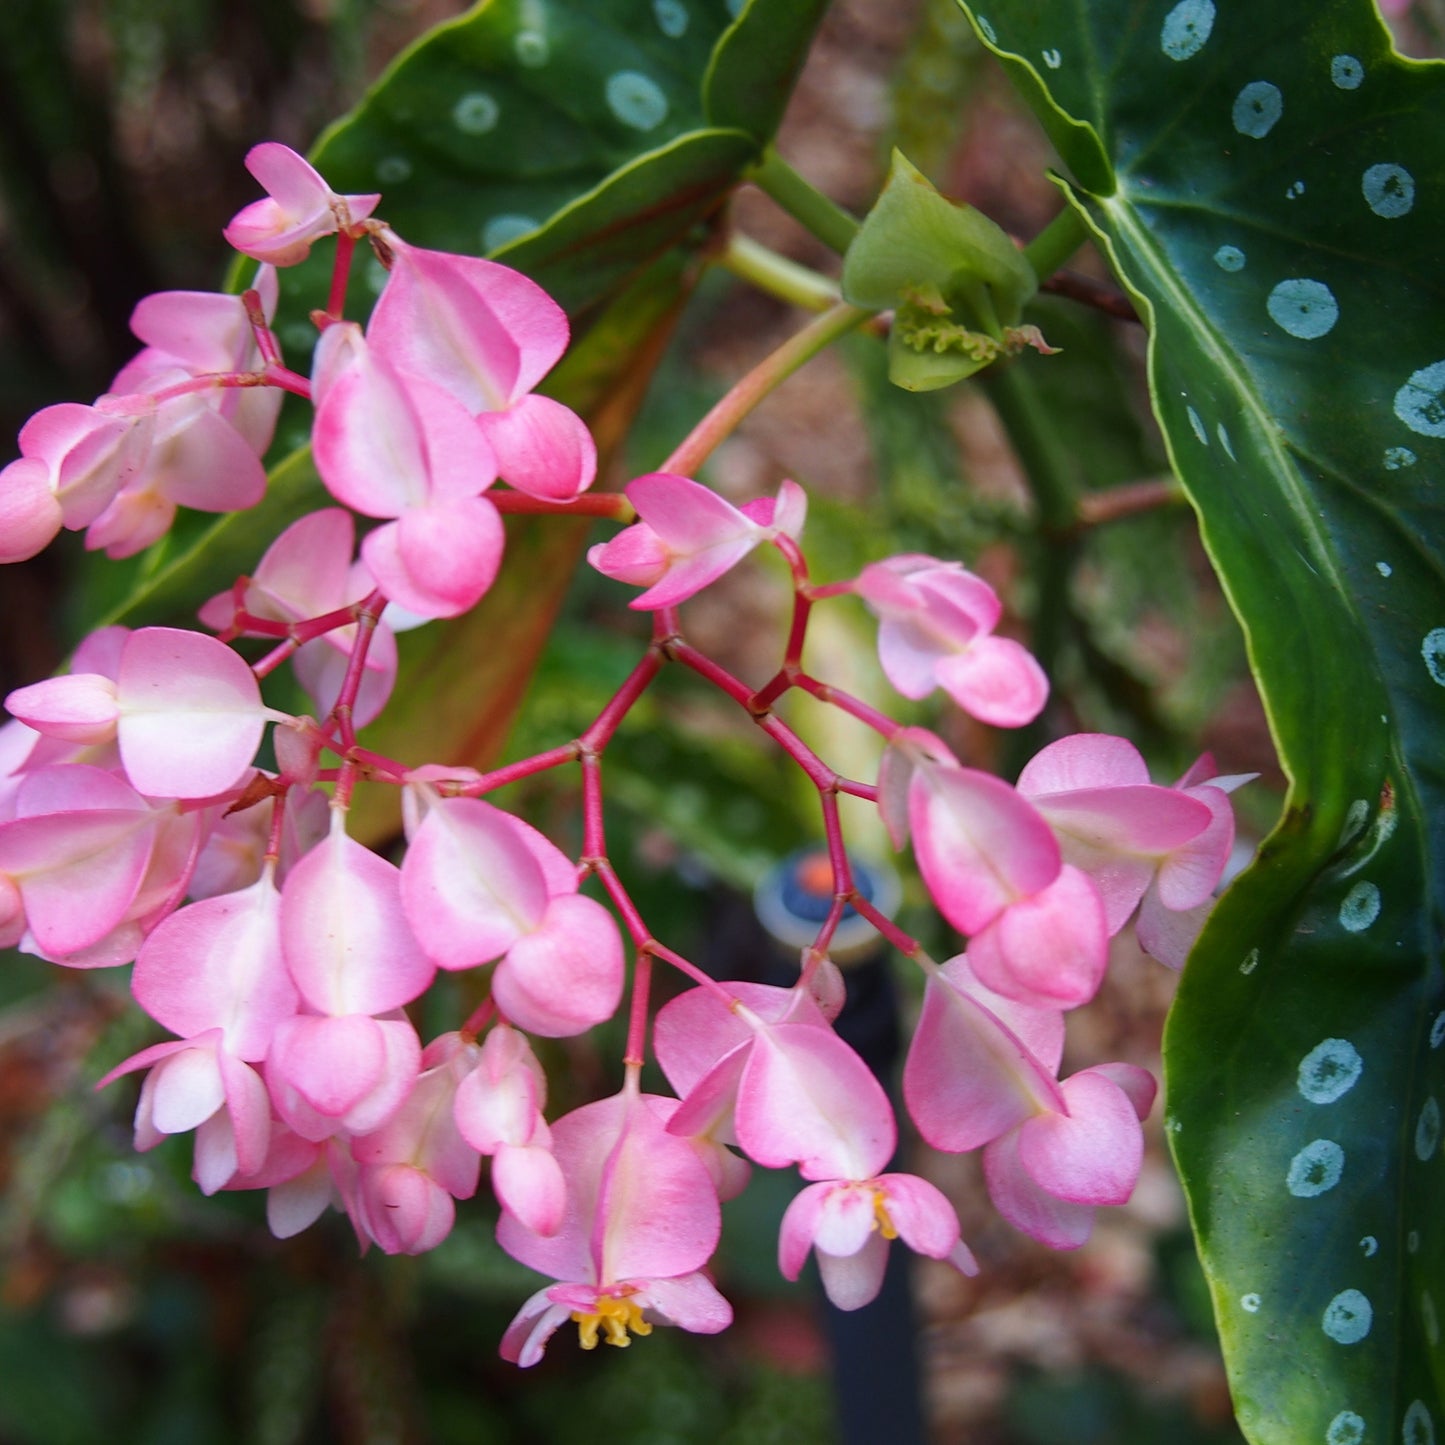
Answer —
(1269, 183)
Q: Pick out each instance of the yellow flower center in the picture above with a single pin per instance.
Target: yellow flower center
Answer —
(614, 1317)
(881, 1221)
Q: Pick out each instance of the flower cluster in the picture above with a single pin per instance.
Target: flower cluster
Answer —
(282, 955)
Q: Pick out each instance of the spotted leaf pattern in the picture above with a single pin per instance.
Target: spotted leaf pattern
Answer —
(1269, 182)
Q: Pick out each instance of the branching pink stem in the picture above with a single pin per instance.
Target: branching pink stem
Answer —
(881, 723)
(513, 772)
(340, 274)
(905, 944)
(636, 1052)
(266, 342)
(765, 377)
(600, 504)
(480, 1017)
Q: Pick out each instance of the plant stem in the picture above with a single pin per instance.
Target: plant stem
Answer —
(1056, 242)
(591, 504)
(1129, 500)
(827, 220)
(765, 377)
(777, 275)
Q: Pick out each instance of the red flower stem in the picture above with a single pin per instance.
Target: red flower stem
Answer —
(512, 772)
(367, 617)
(637, 929)
(266, 342)
(764, 378)
(340, 274)
(818, 949)
(274, 658)
(379, 767)
(207, 381)
(278, 820)
(837, 853)
(817, 592)
(692, 971)
(822, 776)
(594, 834)
(825, 692)
(288, 380)
(480, 1017)
(637, 1016)
(906, 945)
(636, 683)
(602, 504)
(867, 791)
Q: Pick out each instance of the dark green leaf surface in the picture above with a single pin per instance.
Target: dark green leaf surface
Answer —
(756, 64)
(570, 136)
(1270, 183)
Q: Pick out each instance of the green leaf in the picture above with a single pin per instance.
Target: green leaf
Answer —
(570, 138)
(756, 64)
(1270, 184)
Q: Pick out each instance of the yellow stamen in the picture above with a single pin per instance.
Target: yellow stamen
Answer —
(881, 1220)
(615, 1317)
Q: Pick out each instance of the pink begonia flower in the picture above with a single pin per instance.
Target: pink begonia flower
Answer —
(478, 885)
(979, 1063)
(1169, 922)
(413, 1167)
(76, 852)
(1111, 821)
(689, 536)
(186, 711)
(849, 1223)
(308, 572)
(218, 964)
(341, 1075)
(73, 461)
(196, 459)
(487, 335)
(355, 962)
(641, 1222)
(981, 1071)
(389, 446)
(1047, 1175)
(345, 934)
(498, 1110)
(935, 629)
(992, 865)
(299, 208)
(208, 333)
(198, 1084)
(768, 1073)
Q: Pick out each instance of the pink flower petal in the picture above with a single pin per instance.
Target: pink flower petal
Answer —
(438, 561)
(1091, 1155)
(996, 680)
(470, 886)
(542, 447)
(1050, 949)
(191, 714)
(345, 935)
(968, 1079)
(1026, 1206)
(565, 976)
(980, 846)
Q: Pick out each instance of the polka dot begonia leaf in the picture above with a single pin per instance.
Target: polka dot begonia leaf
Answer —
(1269, 182)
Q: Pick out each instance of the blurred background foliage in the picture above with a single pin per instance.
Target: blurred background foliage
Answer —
(130, 1308)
